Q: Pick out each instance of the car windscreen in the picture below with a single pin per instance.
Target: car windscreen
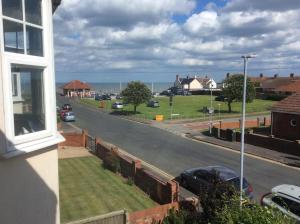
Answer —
(236, 182)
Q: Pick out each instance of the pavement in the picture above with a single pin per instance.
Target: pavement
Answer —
(173, 154)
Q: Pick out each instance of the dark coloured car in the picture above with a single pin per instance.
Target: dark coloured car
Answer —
(197, 179)
(106, 97)
(220, 98)
(67, 107)
(98, 97)
(153, 103)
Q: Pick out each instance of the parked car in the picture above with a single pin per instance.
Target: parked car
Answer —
(153, 103)
(98, 97)
(62, 113)
(106, 97)
(198, 179)
(118, 97)
(117, 105)
(220, 98)
(286, 198)
(66, 107)
(69, 116)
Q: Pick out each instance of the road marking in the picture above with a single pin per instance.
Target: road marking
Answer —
(247, 154)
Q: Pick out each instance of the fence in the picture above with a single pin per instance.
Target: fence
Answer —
(118, 217)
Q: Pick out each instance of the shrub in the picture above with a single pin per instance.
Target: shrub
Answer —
(130, 181)
(112, 162)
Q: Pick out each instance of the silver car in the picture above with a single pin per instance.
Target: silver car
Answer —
(69, 116)
(117, 105)
(286, 198)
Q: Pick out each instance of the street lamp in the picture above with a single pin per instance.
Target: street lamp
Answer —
(246, 58)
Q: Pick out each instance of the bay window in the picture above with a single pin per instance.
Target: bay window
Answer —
(28, 75)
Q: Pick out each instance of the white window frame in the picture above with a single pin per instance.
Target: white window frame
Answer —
(41, 139)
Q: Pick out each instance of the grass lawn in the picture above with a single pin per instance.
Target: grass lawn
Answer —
(87, 189)
(188, 107)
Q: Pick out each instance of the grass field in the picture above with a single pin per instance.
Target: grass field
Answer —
(188, 107)
(87, 189)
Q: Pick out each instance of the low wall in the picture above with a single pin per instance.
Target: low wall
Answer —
(74, 139)
(265, 141)
(161, 191)
(248, 123)
(151, 215)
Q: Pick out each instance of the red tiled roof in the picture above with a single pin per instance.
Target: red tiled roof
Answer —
(273, 83)
(290, 104)
(76, 84)
(293, 87)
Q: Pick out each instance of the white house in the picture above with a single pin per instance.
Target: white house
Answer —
(195, 83)
(28, 130)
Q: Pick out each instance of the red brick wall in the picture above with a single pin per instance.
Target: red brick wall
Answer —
(73, 139)
(159, 190)
(151, 215)
(248, 123)
(282, 128)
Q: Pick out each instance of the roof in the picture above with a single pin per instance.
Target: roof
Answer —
(76, 84)
(292, 87)
(188, 80)
(273, 83)
(290, 104)
(55, 4)
(287, 189)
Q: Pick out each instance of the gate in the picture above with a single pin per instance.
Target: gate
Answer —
(91, 143)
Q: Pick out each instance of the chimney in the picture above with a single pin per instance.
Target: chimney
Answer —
(227, 75)
(292, 75)
(261, 75)
(276, 75)
(177, 77)
(195, 76)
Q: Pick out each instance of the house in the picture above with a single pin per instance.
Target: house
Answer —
(195, 83)
(76, 88)
(28, 130)
(273, 84)
(286, 118)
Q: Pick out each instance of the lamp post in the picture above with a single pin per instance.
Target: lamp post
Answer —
(219, 111)
(245, 58)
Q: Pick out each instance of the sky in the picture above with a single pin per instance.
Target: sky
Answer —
(153, 40)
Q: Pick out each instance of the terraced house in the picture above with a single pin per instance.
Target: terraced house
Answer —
(28, 132)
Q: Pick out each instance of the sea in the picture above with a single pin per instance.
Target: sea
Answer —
(116, 88)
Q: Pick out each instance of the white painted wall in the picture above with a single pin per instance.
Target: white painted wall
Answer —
(29, 188)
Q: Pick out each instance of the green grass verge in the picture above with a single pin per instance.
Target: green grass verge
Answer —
(87, 189)
(188, 107)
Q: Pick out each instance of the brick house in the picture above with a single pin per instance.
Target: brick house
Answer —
(286, 118)
(29, 139)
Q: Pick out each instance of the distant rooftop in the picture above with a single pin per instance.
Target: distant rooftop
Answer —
(290, 104)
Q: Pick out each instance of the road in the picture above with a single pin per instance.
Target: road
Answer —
(174, 154)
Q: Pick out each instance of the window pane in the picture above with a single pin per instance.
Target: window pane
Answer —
(13, 36)
(12, 8)
(29, 112)
(33, 11)
(34, 41)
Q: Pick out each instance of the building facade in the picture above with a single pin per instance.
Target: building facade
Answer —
(286, 118)
(29, 190)
(195, 83)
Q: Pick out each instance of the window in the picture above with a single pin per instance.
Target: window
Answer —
(29, 114)
(16, 23)
(293, 123)
(28, 76)
(288, 204)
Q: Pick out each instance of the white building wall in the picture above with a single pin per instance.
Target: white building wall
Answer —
(29, 192)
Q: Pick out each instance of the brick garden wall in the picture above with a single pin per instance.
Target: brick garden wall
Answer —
(248, 123)
(73, 139)
(161, 191)
(151, 215)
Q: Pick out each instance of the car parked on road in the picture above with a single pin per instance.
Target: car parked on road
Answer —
(220, 98)
(286, 198)
(153, 103)
(117, 105)
(69, 116)
(198, 179)
(66, 107)
(62, 113)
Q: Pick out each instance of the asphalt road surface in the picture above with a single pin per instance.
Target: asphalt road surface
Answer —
(174, 154)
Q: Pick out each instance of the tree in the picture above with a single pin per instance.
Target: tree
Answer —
(233, 89)
(136, 93)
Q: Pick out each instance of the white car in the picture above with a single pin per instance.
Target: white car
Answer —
(117, 105)
(286, 198)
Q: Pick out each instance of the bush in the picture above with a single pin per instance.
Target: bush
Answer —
(112, 162)
(251, 214)
(130, 181)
